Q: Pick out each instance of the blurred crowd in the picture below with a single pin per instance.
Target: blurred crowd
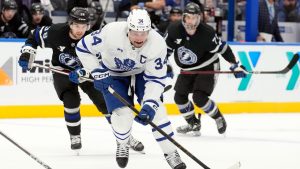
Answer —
(18, 17)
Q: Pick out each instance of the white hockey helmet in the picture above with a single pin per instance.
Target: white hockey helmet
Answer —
(139, 20)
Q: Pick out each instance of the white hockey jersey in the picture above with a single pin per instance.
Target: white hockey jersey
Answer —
(112, 49)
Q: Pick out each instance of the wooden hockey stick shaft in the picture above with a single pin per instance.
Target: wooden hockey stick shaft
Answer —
(25, 151)
(291, 64)
(114, 93)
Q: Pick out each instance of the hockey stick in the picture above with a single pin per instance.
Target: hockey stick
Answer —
(66, 72)
(104, 13)
(291, 64)
(27, 152)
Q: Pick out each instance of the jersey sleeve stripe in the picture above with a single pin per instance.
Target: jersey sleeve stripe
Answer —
(216, 49)
(224, 48)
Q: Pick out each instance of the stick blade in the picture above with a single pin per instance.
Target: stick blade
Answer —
(235, 166)
(293, 61)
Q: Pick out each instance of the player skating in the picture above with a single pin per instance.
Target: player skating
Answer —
(131, 58)
(196, 47)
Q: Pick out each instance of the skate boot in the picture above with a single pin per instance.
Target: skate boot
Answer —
(122, 154)
(75, 142)
(174, 160)
(193, 126)
(221, 124)
(135, 144)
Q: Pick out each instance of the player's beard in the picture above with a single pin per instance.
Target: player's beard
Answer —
(190, 29)
(76, 35)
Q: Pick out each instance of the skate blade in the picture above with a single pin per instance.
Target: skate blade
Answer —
(191, 133)
(196, 133)
(235, 166)
(77, 152)
(141, 152)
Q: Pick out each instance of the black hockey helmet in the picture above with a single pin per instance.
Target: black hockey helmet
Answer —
(92, 13)
(176, 10)
(36, 7)
(9, 4)
(96, 5)
(192, 8)
(79, 15)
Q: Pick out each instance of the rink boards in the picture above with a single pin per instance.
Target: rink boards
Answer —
(31, 94)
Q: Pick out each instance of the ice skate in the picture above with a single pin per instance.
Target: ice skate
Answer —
(122, 154)
(76, 143)
(174, 160)
(193, 127)
(136, 145)
(221, 124)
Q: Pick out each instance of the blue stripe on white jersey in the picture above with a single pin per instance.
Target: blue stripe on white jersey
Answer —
(84, 45)
(154, 77)
(84, 49)
(81, 50)
(156, 81)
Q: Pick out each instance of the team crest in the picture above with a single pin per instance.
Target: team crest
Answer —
(186, 56)
(126, 65)
(69, 60)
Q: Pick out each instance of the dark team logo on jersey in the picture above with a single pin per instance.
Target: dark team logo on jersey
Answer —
(69, 60)
(126, 65)
(186, 56)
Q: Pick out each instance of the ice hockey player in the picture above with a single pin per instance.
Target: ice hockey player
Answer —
(196, 47)
(38, 17)
(62, 39)
(12, 25)
(131, 58)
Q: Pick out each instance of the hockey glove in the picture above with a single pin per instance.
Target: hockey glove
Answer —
(27, 57)
(78, 75)
(102, 79)
(146, 114)
(240, 70)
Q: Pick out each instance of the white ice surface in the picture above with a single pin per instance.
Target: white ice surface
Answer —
(258, 141)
